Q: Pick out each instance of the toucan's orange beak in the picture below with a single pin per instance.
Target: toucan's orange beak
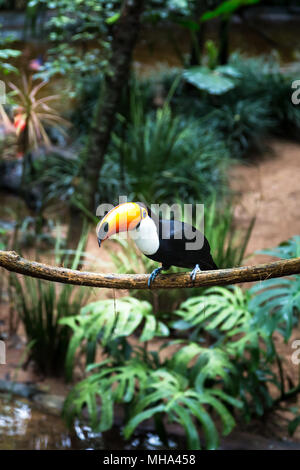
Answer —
(121, 218)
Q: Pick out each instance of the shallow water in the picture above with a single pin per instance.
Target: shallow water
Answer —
(22, 426)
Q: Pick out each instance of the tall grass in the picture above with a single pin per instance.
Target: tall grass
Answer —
(228, 243)
(167, 157)
(40, 306)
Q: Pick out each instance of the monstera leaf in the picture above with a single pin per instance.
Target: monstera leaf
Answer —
(167, 394)
(216, 81)
(105, 321)
(286, 250)
(226, 8)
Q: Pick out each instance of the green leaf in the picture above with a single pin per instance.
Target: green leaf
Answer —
(8, 53)
(189, 24)
(227, 8)
(286, 250)
(149, 329)
(106, 416)
(210, 430)
(109, 320)
(229, 309)
(70, 357)
(184, 418)
(113, 19)
(226, 417)
(293, 425)
(229, 70)
(182, 358)
(225, 397)
(136, 420)
(212, 363)
(212, 81)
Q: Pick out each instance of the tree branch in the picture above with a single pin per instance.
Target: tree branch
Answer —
(11, 261)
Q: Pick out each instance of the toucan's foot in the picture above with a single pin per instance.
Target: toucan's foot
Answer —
(195, 271)
(153, 275)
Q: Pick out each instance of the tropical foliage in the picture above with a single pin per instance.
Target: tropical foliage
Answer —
(204, 359)
(7, 54)
(136, 377)
(41, 305)
(220, 366)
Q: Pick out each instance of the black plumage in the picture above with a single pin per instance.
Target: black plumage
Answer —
(169, 242)
(172, 251)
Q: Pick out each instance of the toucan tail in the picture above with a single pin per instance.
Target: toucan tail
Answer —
(211, 263)
(208, 265)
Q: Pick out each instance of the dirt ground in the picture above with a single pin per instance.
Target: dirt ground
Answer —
(268, 188)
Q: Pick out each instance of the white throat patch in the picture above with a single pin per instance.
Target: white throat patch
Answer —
(146, 236)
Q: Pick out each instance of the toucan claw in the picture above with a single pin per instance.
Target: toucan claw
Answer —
(195, 271)
(153, 275)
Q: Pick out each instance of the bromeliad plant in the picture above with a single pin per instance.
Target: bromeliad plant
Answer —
(8, 136)
(34, 114)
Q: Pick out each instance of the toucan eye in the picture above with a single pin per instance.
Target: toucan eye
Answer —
(105, 227)
(144, 214)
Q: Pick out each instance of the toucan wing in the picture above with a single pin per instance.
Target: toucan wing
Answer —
(183, 245)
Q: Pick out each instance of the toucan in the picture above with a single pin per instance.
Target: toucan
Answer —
(161, 240)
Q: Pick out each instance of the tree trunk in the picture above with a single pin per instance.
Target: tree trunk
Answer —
(125, 34)
(198, 38)
(198, 46)
(224, 41)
